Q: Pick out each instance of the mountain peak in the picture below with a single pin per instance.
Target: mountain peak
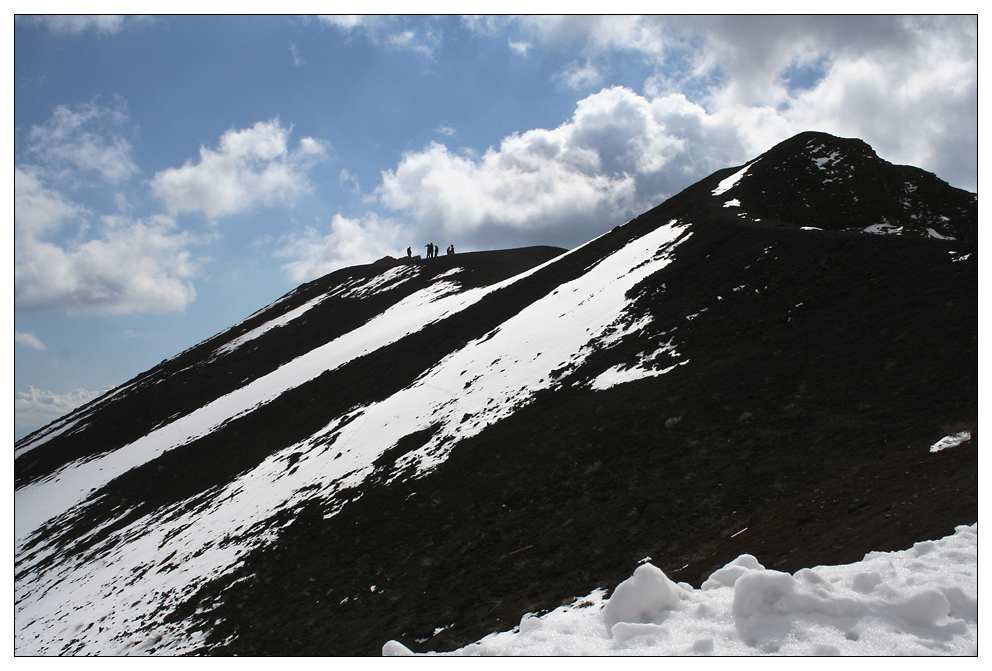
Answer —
(818, 180)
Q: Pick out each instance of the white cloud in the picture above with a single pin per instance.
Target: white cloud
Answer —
(250, 168)
(916, 104)
(614, 158)
(37, 209)
(75, 24)
(89, 138)
(392, 32)
(35, 408)
(349, 21)
(29, 340)
(520, 47)
(132, 266)
(486, 24)
(907, 85)
(598, 34)
(579, 77)
(349, 181)
(348, 242)
(297, 59)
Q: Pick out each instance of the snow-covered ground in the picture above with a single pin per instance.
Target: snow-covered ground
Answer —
(920, 601)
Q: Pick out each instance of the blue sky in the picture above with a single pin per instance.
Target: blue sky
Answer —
(174, 174)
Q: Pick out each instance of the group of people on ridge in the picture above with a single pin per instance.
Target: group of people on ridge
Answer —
(431, 250)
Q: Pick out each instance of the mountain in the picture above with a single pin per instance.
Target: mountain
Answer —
(425, 450)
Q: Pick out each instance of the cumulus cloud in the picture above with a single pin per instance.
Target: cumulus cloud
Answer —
(249, 168)
(348, 242)
(29, 340)
(38, 209)
(905, 84)
(618, 155)
(85, 139)
(129, 266)
(35, 408)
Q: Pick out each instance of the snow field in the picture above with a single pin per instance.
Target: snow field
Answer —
(920, 601)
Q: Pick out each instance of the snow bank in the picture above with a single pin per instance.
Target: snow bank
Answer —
(921, 601)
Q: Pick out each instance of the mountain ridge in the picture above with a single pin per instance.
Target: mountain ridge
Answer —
(700, 370)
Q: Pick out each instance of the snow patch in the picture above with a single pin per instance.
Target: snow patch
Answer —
(281, 320)
(620, 375)
(951, 441)
(825, 162)
(728, 183)
(390, 279)
(883, 228)
(921, 601)
(935, 234)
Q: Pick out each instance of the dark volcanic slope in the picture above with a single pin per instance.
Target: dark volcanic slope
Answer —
(807, 410)
(812, 366)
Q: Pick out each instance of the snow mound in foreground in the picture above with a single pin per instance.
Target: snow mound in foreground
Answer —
(921, 601)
